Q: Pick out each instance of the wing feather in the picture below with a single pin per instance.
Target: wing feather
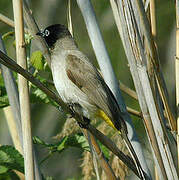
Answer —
(86, 77)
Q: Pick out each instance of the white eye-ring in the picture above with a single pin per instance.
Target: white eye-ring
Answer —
(47, 32)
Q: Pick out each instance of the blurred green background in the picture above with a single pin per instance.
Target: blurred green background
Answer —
(47, 121)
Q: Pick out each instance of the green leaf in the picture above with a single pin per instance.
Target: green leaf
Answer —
(62, 144)
(11, 158)
(4, 101)
(39, 93)
(3, 97)
(37, 140)
(28, 39)
(3, 169)
(37, 60)
(104, 149)
(78, 140)
(38, 96)
(1, 80)
(6, 35)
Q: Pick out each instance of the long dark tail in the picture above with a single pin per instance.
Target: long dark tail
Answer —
(134, 156)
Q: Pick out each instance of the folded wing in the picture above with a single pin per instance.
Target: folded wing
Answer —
(86, 77)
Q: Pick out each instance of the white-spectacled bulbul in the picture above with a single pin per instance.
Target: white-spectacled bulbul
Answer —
(79, 83)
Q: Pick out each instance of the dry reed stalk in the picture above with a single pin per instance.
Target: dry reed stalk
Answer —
(177, 72)
(12, 112)
(134, 112)
(156, 174)
(87, 166)
(69, 18)
(128, 91)
(14, 134)
(130, 25)
(13, 128)
(154, 60)
(108, 73)
(23, 90)
(154, 34)
(153, 18)
(164, 150)
(103, 161)
(6, 20)
(14, 122)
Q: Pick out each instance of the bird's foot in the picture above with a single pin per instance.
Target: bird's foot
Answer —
(85, 123)
(71, 106)
(76, 108)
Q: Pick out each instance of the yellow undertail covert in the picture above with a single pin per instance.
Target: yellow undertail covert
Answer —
(102, 114)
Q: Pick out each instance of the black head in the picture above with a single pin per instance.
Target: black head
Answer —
(54, 32)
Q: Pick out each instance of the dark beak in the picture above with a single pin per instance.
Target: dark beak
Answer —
(40, 33)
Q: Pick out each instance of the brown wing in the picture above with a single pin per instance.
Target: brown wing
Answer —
(86, 77)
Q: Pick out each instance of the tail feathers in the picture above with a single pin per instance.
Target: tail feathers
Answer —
(134, 156)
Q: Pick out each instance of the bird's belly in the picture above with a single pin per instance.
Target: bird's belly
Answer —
(65, 88)
(69, 92)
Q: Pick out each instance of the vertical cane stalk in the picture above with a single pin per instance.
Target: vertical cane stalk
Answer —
(23, 90)
(177, 72)
(108, 73)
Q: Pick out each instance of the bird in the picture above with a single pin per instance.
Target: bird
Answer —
(80, 84)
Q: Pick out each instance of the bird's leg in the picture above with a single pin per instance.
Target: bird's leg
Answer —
(85, 123)
(76, 108)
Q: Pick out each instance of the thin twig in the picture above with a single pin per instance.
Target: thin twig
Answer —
(153, 18)
(146, 6)
(128, 91)
(8, 62)
(69, 18)
(23, 91)
(94, 155)
(6, 20)
(103, 162)
(134, 112)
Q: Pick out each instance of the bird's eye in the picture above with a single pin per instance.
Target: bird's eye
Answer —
(47, 32)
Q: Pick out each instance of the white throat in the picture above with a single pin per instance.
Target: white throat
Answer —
(65, 43)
